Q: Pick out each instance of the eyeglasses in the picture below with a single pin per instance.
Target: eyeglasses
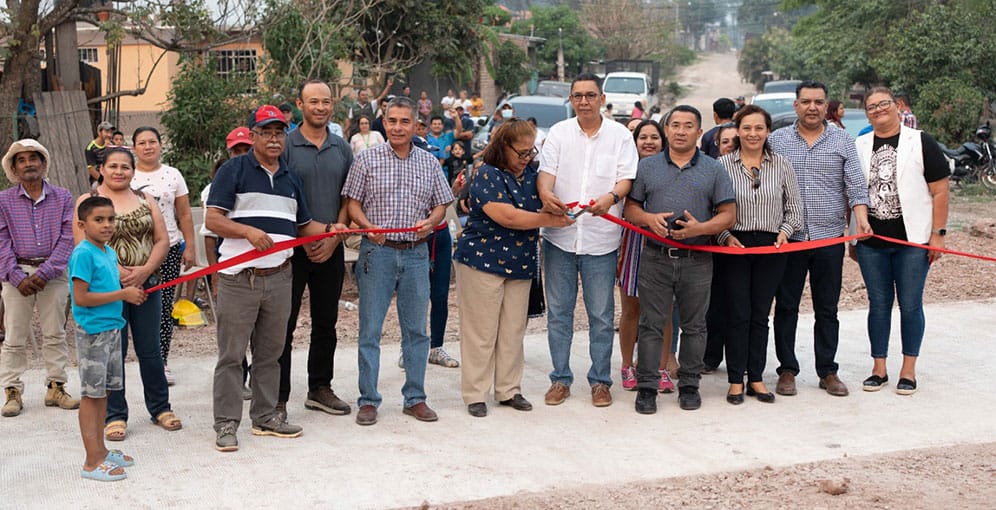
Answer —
(590, 96)
(756, 173)
(881, 105)
(526, 155)
(271, 135)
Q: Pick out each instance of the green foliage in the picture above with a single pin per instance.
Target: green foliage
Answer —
(204, 108)
(754, 60)
(510, 66)
(496, 16)
(559, 25)
(948, 108)
(455, 39)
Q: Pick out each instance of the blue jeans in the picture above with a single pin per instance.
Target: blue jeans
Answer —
(380, 272)
(894, 272)
(440, 266)
(560, 278)
(144, 323)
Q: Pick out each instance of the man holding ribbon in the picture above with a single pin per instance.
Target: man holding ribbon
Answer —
(395, 186)
(590, 160)
(255, 201)
(674, 195)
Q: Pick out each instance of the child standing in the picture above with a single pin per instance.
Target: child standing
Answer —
(97, 295)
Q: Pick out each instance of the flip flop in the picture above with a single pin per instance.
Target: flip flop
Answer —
(168, 421)
(119, 458)
(116, 430)
(102, 473)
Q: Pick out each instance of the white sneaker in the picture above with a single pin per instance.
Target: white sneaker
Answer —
(170, 380)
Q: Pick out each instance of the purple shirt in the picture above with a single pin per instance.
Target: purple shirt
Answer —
(29, 229)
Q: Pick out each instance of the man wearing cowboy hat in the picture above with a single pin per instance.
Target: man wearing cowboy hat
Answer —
(36, 238)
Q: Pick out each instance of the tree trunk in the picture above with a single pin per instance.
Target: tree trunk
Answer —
(23, 50)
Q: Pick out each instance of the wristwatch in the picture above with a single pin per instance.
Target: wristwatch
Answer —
(615, 198)
(940, 231)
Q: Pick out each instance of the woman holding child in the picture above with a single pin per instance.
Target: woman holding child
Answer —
(141, 242)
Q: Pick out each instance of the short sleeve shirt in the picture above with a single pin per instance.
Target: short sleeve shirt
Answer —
(699, 187)
(165, 184)
(488, 246)
(98, 267)
(322, 171)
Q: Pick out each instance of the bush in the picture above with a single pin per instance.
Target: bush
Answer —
(949, 109)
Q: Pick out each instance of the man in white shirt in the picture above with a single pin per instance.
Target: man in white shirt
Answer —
(584, 159)
(447, 103)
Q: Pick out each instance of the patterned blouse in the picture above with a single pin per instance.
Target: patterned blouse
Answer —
(485, 244)
(133, 235)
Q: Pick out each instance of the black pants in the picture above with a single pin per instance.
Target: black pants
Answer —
(324, 282)
(825, 267)
(749, 283)
(716, 318)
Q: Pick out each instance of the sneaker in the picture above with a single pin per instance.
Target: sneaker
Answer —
(437, 356)
(14, 403)
(689, 398)
(629, 378)
(277, 427)
(324, 399)
(57, 396)
(170, 380)
(226, 441)
(665, 385)
(282, 410)
(601, 396)
(646, 401)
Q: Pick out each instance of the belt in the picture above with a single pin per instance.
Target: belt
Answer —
(36, 261)
(267, 271)
(405, 245)
(673, 253)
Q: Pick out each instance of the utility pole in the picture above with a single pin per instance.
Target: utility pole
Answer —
(67, 54)
(560, 56)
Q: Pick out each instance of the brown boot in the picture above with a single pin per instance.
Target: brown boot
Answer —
(57, 396)
(786, 384)
(14, 404)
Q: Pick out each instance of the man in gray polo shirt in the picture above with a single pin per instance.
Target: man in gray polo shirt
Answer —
(321, 160)
(674, 195)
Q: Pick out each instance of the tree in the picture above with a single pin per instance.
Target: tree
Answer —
(559, 26)
(509, 66)
(628, 29)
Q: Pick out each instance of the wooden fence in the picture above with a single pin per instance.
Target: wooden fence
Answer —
(64, 124)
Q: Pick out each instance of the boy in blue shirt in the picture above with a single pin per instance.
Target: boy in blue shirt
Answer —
(97, 294)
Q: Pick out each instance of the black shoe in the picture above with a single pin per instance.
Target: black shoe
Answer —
(478, 409)
(689, 398)
(906, 386)
(875, 383)
(518, 402)
(735, 398)
(767, 398)
(646, 401)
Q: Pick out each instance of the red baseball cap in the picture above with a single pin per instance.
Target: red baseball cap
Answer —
(268, 114)
(238, 136)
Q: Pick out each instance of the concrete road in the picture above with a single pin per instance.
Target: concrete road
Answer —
(400, 462)
(712, 76)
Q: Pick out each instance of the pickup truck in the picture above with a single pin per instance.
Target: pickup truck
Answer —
(622, 89)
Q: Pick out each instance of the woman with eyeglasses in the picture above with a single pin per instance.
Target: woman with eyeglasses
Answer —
(769, 210)
(167, 186)
(908, 200)
(495, 264)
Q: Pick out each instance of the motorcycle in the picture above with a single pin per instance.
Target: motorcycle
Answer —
(974, 160)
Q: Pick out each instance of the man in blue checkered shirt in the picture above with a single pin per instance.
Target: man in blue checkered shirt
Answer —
(832, 186)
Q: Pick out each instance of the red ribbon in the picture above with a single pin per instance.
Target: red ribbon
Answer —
(768, 250)
(282, 245)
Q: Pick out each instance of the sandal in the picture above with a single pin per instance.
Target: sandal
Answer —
(168, 421)
(102, 473)
(119, 458)
(116, 430)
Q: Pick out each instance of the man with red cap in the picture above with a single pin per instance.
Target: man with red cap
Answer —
(255, 202)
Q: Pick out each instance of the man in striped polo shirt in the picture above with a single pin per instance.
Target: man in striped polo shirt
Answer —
(255, 201)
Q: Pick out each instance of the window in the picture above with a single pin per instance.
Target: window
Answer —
(237, 65)
(89, 55)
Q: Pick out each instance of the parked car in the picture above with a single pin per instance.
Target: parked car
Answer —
(623, 89)
(854, 120)
(553, 88)
(547, 111)
(775, 103)
(781, 86)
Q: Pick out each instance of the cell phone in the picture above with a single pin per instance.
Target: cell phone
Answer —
(674, 225)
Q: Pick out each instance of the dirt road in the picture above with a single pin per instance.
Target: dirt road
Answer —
(711, 77)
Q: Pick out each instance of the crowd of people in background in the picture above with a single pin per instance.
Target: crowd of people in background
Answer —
(531, 207)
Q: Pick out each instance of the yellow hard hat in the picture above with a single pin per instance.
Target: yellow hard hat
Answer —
(187, 314)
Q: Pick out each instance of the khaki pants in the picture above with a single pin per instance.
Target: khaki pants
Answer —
(18, 312)
(492, 325)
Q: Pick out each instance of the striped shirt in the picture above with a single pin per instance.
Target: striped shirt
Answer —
(775, 206)
(251, 196)
(35, 229)
(397, 192)
(829, 175)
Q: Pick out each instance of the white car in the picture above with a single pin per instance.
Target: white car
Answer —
(623, 89)
(776, 102)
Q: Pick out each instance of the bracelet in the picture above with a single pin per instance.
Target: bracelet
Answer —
(328, 228)
(615, 198)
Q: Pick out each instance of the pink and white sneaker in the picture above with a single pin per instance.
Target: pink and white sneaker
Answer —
(629, 378)
(666, 386)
